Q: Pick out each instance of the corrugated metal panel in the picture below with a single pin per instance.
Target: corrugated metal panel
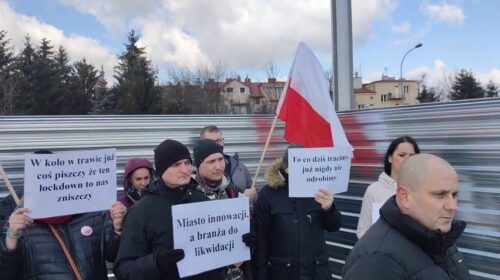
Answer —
(465, 133)
(131, 135)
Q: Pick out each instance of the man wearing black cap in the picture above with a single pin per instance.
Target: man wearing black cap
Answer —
(215, 184)
(236, 171)
(209, 159)
(146, 249)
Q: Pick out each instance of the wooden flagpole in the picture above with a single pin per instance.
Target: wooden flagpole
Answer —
(264, 151)
(9, 185)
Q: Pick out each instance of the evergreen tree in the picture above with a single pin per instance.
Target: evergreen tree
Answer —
(136, 77)
(63, 97)
(7, 82)
(427, 95)
(47, 97)
(25, 78)
(104, 100)
(84, 81)
(491, 89)
(6, 54)
(465, 86)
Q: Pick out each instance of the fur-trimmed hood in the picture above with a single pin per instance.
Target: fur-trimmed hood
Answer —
(273, 177)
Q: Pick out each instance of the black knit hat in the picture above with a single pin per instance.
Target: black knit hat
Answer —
(168, 153)
(203, 148)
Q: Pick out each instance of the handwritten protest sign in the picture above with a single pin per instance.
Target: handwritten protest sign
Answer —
(312, 168)
(210, 234)
(69, 182)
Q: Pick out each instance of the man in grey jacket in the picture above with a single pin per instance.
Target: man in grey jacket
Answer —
(235, 169)
(416, 233)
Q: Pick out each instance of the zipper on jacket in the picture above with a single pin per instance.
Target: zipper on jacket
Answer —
(444, 255)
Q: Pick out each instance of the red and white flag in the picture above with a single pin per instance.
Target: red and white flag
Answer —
(306, 107)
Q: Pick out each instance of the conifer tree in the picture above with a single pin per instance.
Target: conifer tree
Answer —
(24, 103)
(491, 89)
(135, 80)
(427, 95)
(47, 99)
(465, 86)
(103, 101)
(84, 81)
(7, 81)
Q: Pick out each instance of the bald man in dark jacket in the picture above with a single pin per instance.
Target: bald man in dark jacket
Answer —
(415, 235)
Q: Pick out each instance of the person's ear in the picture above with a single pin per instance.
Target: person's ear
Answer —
(403, 196)
(390, 159)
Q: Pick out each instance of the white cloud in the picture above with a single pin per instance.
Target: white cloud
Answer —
(167, 45)
(434, 75)
(115, 14)
(244, 33)
(364, 13)
(492, 75)
(444, 12)
(78, 47)
(403, 27)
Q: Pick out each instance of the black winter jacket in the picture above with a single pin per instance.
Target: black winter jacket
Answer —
(290, 233)
(148, 228)
(398, 247)
(39, 255)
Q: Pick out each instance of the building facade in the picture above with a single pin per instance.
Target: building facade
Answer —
(247, 97)
(386, 92)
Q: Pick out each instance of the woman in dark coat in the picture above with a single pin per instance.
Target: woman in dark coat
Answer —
(290, 231)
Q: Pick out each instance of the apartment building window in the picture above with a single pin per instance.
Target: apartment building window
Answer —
(406, 89)
(242, 90)
(383, 98)
(229, 89)
(361, 106)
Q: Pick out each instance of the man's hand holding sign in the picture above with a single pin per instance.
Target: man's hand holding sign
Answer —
(324, 198)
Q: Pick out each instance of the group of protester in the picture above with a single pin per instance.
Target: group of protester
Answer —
(414, 238)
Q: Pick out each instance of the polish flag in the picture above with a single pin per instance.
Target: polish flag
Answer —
(306, 107)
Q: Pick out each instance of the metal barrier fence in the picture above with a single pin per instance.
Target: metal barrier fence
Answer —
(465, 133)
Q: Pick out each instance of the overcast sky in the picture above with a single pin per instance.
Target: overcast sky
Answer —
(456, 34)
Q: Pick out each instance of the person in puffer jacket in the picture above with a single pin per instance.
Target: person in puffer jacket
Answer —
(415, 236)
(38, 255)
(29, 250)
(139, 172)
(290, 231)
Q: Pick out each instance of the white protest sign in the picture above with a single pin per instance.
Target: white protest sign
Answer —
(312, 168)
(210, 234)
(375, 211)
(67, 183)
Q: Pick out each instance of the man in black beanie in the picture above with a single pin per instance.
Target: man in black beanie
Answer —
(146, 249)
(209, 160)
(215, 184)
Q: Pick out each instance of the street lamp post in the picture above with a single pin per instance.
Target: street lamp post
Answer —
(401, 69)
